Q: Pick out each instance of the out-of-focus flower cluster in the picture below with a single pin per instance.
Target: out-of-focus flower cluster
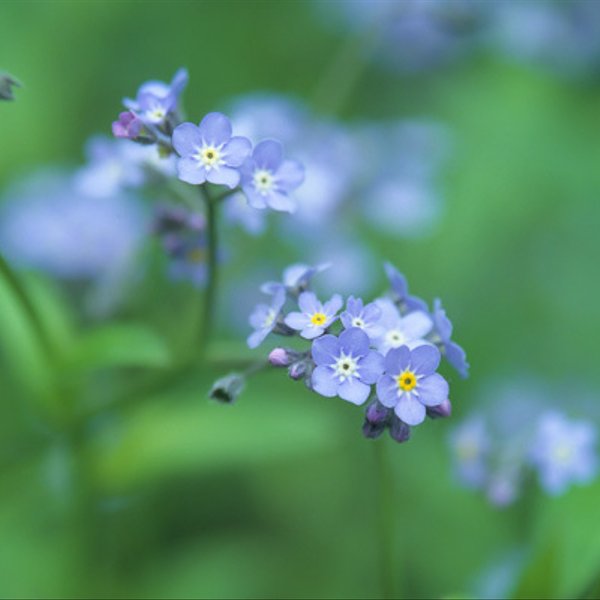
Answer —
(521, 436)
(387, 351)
(419, 35)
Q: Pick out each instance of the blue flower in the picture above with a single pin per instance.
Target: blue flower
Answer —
(563, 452)
(346, 367)
(156, 100)
(400, 291)
(296, 279)
(265, 317)
(470, 443)
(410, 382)
(396, 330)
(361, 316)
(454, 353)
(209, 152)
(315, 316)
(268, 179)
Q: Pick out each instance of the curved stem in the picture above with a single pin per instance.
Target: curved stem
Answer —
(385, 518)
(29, 308)
(210, 294)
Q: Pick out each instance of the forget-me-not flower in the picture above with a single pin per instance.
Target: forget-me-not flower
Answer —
(396, 330)
(563, 451)
(209, 152)
(265, 318)
(315, 316)
(346, 366)
(410, 382)
(365, 317)
(156, 100)
(268, 179)
(400, 290)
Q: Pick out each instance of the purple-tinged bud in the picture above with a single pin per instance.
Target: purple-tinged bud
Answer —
(441, 411)
(298, 370)
(127, 126)
(399, 430)
(228, 388)
(377, 418)
(280, 358)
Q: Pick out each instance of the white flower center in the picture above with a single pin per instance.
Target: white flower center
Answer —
(358, 322)
(270, 318)
(562, 453)
(263, 181)
(394, 338)
(346, 367)
(210, 157)
(156, 115)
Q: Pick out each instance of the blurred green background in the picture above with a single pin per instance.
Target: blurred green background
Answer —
(165, 494)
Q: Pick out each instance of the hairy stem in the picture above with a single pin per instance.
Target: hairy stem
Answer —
(385, 519)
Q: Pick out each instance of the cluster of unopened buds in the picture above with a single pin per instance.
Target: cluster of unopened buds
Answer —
(386, 352)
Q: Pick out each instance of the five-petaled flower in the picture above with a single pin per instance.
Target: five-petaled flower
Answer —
(315, 316)
(156, 100)
(209, 152)
(365, 317)
(346, 366)
(410, 382)
(268, 179)
(265, 318)
(396, 330)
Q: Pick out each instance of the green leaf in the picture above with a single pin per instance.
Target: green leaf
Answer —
(118, 345)
(566, 557)
(182, 433)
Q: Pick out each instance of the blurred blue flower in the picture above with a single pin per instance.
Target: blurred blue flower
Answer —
(563, 452)
(237, 211)
(265, 318)
(268, 179)
(209, 152)
(156, 100)
(315, 316)
(117, 165)
(346, 366)
(47, 223)
(470, 443)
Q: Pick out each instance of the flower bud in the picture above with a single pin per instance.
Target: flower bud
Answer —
(280, 358)
(440, 411)
(228, 388)
(298, 370)
(127, 126)
(7, 82)
(399, 430)
(377, 418)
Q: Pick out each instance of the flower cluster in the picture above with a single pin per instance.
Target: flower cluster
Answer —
(388, 350)
(522, 436)
(209, 152)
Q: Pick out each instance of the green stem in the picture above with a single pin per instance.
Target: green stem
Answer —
(210, 294)
(20, 291)
(385, 518)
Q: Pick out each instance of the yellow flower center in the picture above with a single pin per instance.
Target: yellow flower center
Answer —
(406, 381)
(210, 156)
(197, 255)
(318, 319)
